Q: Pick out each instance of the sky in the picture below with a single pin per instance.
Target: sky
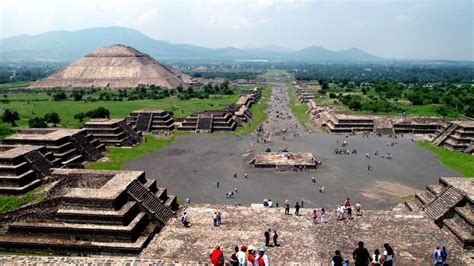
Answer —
(402, 29)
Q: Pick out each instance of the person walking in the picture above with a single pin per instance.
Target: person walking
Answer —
(219, 218)
(267, 237)
(388, 255)
(275, 238)
(323, 216)
(287, 207)
(297, 209)
(315, 217)
(444, 256)
(358, 209)
(217, 257)
(361, 255)
(437, 256)
(185, 219)
(214, 218)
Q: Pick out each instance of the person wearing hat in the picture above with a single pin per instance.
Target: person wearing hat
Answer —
(242, 256)
(262, 258)
(251, 255)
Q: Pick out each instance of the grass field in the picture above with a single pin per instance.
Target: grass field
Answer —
(259, 114)
(299, 110)
(10, 203)
(117, 157)
(458, 161)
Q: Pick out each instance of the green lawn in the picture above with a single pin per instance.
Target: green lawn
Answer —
(36, 105)
(259, 114)
(458, 161)
(117, 157)
(299, 110)
(10, 203)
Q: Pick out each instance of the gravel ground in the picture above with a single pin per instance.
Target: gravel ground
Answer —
(193, 165)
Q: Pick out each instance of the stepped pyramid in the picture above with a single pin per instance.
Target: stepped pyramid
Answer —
(116, 66)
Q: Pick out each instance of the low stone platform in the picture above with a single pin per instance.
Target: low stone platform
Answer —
(70, 147)
(22, 167)
(113, 132)
(284, 160)
(118, 215)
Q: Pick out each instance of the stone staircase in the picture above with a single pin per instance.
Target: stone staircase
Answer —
(204, 124)
(440, 138)
(469, 149)
(85, 147)
(151, 202)
(143, 122)
(438, 207)
(133, 137)
(38, 162)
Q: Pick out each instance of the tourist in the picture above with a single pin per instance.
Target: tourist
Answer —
(321, 189)
(246, 176)
(349, 212)
(444, 256)
(376, 259)
(233, 258)
(235, 174)
(214, 218)
(437, 256)
(217, 184)
(388, 255)
(236, 190)
(275, 238)
(262, 258)
(313, 179)
(358, 209)
(323, 216)
(361, 255)
(287, 207)
(265, 203)
(185, 219)
(219, 218)
(315, 217)
(242, 256)
(270, 203)
(217, 257)
(297, 209)
(251, 255)
(337, 260)
(267, 237)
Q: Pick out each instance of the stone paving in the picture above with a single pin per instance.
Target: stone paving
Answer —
(412, 236)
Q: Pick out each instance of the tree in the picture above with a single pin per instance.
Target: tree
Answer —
(37, 122)
(80, 116)
(10, 117)
(100, 112)
(52, 118)
(77, 95)
(59, 96)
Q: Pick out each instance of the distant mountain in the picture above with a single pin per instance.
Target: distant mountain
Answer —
(71, 45)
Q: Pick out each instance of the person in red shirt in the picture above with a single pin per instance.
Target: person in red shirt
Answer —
(217, 257)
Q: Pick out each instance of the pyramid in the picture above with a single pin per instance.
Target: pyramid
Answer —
(116, 66)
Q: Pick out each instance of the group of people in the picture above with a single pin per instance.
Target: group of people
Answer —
(362, 257)
(243, 256)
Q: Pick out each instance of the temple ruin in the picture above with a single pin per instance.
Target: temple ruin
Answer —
(450, 205)
(151, 120)
(69, 147)
(285, 160)
(22, 167)
(456, 136)
(112, 132)
(209, 121)
(90, 211)
(345, 124)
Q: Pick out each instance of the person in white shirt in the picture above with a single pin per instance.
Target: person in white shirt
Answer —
(270, 203)
(242, 256)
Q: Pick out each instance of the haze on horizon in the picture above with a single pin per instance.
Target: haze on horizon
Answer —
(402, 29)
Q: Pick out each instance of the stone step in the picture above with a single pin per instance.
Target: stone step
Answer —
(59, 245)
(17, 180)
(424, 198)
(93, 231)
(151, 185)
(412, 205)
(72, 160)
(436, 190)
(464, 237)
(5, 190)
(162, 194)
(75, 214)
(447, 200)
(14, 169)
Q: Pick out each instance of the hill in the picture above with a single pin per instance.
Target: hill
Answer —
(71, 45)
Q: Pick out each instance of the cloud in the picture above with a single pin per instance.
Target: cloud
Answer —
(404, 19)
(145, 17)
(262, 4)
